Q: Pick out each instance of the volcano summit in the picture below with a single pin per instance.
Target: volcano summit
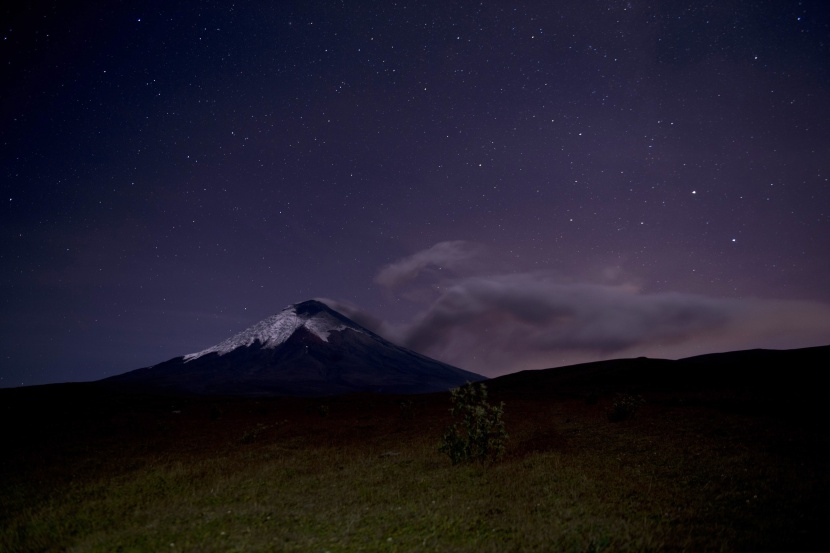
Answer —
(307, 349)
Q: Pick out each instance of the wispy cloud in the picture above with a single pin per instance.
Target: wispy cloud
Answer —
(438, 261)
(499, 323)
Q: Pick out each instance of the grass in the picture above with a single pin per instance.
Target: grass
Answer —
(168, 474)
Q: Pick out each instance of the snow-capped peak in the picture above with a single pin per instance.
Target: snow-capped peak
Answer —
(276, 329)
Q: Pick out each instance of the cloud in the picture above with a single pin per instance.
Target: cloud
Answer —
(517, 316)
(505, 323)
(494, 324)
(445, 256)
(355, 313)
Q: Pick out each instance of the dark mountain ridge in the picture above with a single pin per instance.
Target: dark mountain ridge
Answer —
(791, 375)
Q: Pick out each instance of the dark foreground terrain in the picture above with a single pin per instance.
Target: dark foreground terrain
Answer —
(733, 460)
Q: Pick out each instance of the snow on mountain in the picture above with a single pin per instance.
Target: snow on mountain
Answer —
(275, 330)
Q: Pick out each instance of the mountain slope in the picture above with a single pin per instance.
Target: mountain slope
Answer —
(759, 373)
(307, 349)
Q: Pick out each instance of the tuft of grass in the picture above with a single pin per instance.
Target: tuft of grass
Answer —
(254, 433)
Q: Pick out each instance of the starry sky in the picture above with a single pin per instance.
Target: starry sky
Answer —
(500, 185)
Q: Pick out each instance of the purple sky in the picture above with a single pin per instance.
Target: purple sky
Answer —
(500, 185)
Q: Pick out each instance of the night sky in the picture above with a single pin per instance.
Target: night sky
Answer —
(499, 185)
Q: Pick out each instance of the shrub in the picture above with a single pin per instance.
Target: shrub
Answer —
(477, 433)
(624, 407)
(253, 434)
(407, 410)
(321, 409)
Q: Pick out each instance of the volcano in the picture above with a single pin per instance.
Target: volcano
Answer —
(308, 349)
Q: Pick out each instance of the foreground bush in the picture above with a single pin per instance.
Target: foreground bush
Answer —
(478, 433)
(624, 407)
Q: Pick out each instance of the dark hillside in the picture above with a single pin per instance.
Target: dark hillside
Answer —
(717, 468)
(791, 378)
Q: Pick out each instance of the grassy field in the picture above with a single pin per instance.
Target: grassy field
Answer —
(83, 472)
